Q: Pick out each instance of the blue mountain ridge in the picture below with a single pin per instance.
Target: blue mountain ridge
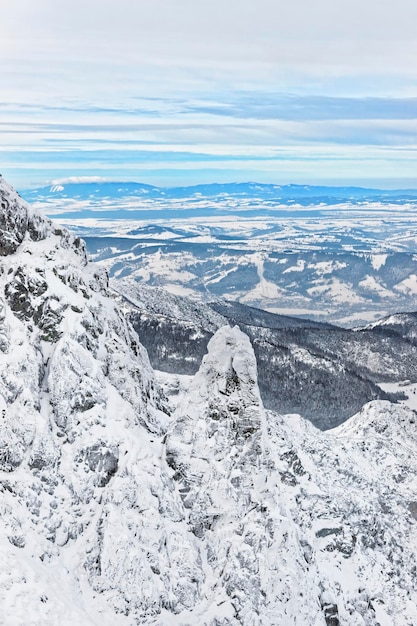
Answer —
(305, 194)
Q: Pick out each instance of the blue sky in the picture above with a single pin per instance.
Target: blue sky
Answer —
(180, 91)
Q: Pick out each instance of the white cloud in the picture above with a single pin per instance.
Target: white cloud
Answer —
(79, 179)
(259, 38)
(172, 75)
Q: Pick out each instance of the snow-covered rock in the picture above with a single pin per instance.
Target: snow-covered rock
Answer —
(115, 512)
(219, 451)
(84, 488)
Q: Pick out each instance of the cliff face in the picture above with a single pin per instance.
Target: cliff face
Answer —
(113, 510)
(80, 454)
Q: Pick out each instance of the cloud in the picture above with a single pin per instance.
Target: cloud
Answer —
(91, 85)
(260, 104)
(96, 46)
(270, 106)
(79, 179)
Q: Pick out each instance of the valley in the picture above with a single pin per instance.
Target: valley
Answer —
(346, 256)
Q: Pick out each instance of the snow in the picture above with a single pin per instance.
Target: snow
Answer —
(117, 507)
(175, 386)
(369, 283)
(328, 267)
(299, 267)
(336, 290)
(299, 312)
(404, 388)
(265, 289)
(408, 285)
(378, 260)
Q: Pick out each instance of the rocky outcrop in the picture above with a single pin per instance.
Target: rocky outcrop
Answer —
(83, 486)
(19, 223)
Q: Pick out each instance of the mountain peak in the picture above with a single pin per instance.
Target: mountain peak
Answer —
(19, 222)
(223, 408)
(229, 368)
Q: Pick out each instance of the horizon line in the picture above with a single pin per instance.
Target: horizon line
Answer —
(87, 180)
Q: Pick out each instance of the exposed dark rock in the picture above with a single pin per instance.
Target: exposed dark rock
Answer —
(103, 460)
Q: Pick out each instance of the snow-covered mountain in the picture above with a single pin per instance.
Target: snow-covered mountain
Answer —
(308, 194)
(342, 254)
(323, 372)
(115, 510)
(324, 275)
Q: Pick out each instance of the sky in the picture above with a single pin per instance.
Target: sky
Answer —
(184, 91)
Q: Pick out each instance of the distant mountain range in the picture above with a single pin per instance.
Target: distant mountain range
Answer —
(285, 194)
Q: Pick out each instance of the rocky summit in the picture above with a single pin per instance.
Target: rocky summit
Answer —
(117, 508)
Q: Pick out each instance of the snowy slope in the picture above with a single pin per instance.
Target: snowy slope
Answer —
(81, 477)
(278, 270)
(113, 511)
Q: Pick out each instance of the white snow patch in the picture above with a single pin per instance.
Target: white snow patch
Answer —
(378, 260)
(408, 285)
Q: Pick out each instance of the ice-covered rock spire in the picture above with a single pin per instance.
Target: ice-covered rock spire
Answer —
(216, 442)
(216, 451)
